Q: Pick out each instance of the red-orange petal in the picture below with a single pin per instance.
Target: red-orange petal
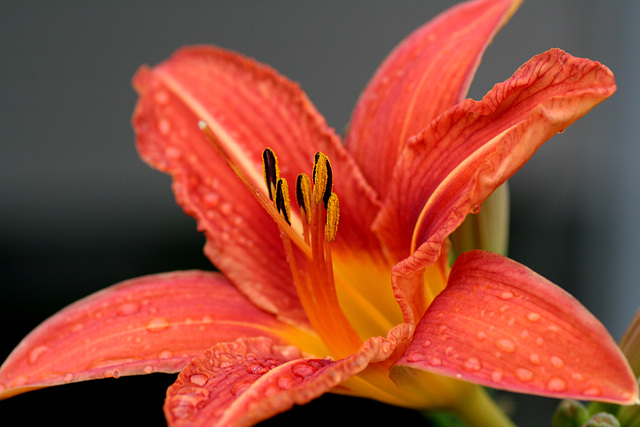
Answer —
(243, 382)
(249, 107)
(501, 325)
(429, 72)
(151, 324)
(460, 158)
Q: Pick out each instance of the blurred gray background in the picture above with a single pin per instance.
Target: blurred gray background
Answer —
(79, 211)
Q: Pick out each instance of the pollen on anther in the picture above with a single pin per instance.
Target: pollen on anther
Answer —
(303, 195)
(322, 179)
(333, 214)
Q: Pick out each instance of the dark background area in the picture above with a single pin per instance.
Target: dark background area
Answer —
(79, 211)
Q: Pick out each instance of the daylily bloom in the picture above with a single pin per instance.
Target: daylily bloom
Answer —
(349, 288)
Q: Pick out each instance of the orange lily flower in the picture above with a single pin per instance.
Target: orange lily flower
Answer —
(349, 289)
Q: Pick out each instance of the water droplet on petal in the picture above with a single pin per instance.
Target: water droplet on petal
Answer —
(128, 308)
(207, 320)
(148, 369)
(434, 361)
(577, 376)
(68, 377)
(20, 380)
(557, 362)
(37, 352)
(239, 387)
(2, 387)
(157, 324)
(303, 370)
(524, 374)
(164, 126)
(533, 317)
(472, 364)
(257, 369)
(165, 354)
(198, 379)
(497, 375)
(561, 131)
(505, 345)
(226, 208)
(480, 335)
(161, 97)
(556, 384)
(211, 199)
(475, 209)
(592, 391)
(285, 383)
(534, 358)
(426, 343)
(506, 295)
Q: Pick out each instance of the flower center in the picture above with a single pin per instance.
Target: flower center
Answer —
(306, 240)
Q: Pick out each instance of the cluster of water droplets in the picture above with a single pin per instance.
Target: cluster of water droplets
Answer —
(515, 355)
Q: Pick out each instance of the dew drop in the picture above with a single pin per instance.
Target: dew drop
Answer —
(198, 379)
(534, 358)
(556, 384)
(505, 345)
(534, 317)
(592, 391)
(211, 200)
(226, 208)
(426, 343)
(472, 364)
(164, 126)
(434, 361)
(239, 387)
(506, 295)
(497, 375)
(415, 357)
(207, 320)
(161, 97)
(165, 354)
(285, 383)
(36, 353)
(68, 377)
(157, 324)
(524, 374)
(148, 369)
(128, 308)
(20, 380)
(480, 335)
(557, 362)
(577, 376)
(257, 369)
(2, 387)
(475, 209)
(303, 370)
(561, 131)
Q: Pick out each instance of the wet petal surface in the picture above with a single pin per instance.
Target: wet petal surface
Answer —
(150, 324)
(499, 324)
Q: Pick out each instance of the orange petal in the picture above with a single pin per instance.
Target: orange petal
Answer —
(249, 107)
(151, 324)
(429, 72)
(252, 379)
(501, 325)
(454, 164)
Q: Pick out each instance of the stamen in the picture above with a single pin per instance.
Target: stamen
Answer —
(288, 227)
(322, 178)
(303, 196)
(282, 199)
(270, 170)
(331, 223)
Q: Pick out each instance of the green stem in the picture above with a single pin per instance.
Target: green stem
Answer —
(478, 409)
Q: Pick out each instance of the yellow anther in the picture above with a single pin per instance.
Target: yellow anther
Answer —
(270, 171)
(333, 214)
(322, 179)
(303, 196)
(283, 203)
